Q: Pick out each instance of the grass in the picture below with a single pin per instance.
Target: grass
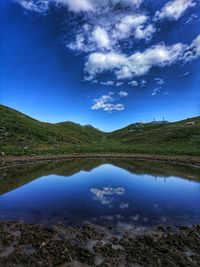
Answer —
(22, 135)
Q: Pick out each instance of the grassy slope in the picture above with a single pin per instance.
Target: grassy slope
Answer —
(177, 136)
(20, 134)
(20, 131)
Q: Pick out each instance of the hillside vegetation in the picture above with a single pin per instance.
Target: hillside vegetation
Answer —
(21, 135)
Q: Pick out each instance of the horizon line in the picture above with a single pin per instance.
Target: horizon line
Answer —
(89, 124)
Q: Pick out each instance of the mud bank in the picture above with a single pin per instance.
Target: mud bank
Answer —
(7, 161)
(89, 245)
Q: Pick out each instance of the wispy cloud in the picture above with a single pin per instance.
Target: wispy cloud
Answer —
(156, 91)
(111, 83)
(159, 81)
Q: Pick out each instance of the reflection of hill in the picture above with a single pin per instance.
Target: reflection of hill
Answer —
(162, 169)
(14, 177)
(18, 176)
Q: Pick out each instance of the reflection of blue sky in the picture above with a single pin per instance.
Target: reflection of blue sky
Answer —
(105, 191)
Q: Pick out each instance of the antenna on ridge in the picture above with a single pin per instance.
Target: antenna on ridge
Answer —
(163, 119)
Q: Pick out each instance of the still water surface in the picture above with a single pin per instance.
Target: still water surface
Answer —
(101, 191)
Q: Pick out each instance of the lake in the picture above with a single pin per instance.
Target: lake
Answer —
(101, 191)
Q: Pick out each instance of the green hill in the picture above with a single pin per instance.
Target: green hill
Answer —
(21, 135)
(182, 136)
(18, 131)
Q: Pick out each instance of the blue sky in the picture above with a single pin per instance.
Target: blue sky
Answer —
(105, 63)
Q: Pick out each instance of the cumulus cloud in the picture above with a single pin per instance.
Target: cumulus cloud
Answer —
(133, 83)
(78, 5)
(108, 30)
(88, 5)
(109, 34)
(123, 94)
(101, 37)
(105, 103)
(119, 83)
(138, 64)
(127, 24)
(174, 9)
(145, 32)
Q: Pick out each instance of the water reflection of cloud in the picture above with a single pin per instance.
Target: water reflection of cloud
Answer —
(107, 191)
(106, 194)
(157, 207)
(135, 217)
(124, 206)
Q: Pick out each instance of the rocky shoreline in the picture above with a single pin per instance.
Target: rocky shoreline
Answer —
(10, 161)
(89, 245)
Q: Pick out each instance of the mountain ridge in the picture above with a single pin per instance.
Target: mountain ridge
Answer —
(20, 133)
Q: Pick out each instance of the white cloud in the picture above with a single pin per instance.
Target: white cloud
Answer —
(174, 9)
(119, 83)
(133, 83)
(108, 31)
(184, 74)
(159, 81)
(123, 94)
(143, 83)
(105, 103)
(143, 32)
(193, 51)
(111, 83)
(77, 5)
(79, 43)
(100, 36)
(36, 6)
(88, 5)
(127, 24)
(108, 83)
(137, 64)
(156, 91)
(196, 46)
